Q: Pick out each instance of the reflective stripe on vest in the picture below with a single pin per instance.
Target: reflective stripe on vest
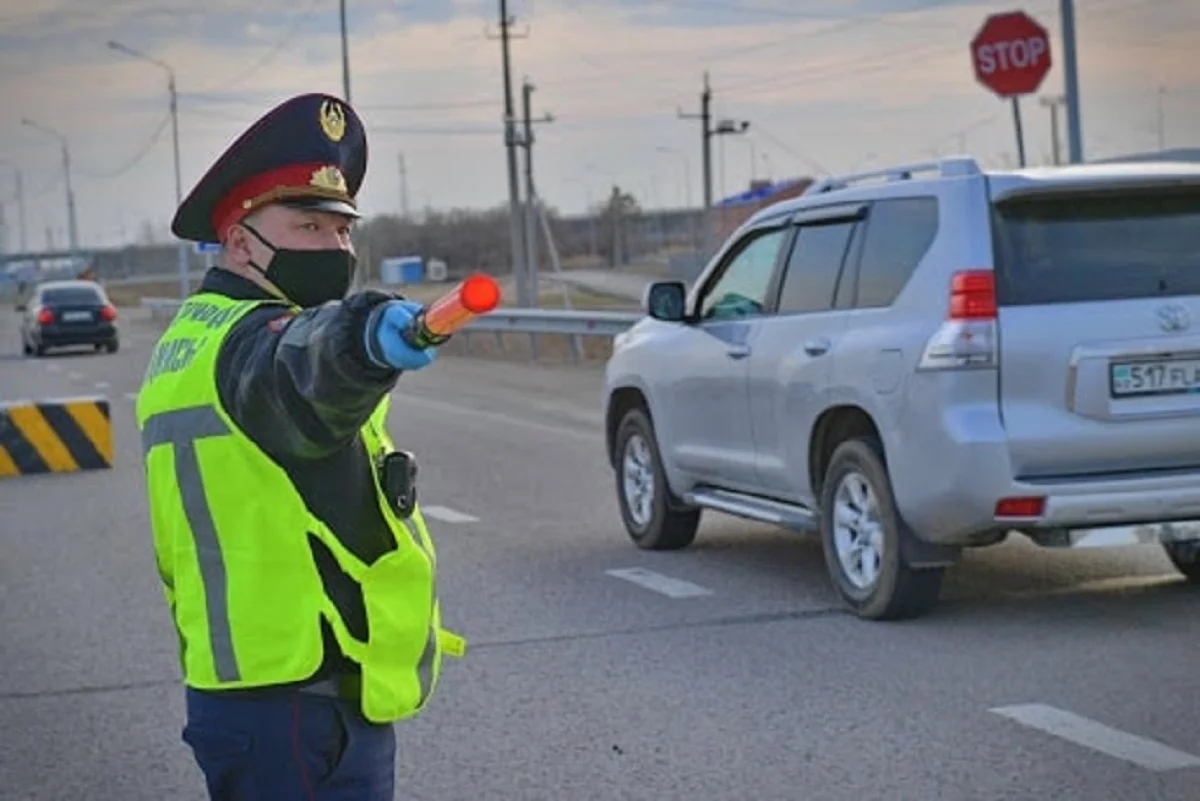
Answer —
(181, 429)
(232, 542)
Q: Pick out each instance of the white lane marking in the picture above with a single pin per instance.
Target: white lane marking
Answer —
(1141, 751)
(447, 515)
(670, 587)
(54, 368)
(74, 376)
(102, 385)
(131, 396)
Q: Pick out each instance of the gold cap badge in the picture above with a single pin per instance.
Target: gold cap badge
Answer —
(329, 178)
(333, 120)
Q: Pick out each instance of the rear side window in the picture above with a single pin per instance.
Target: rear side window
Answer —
(68, 296)
(1080, 248)
(898, 235)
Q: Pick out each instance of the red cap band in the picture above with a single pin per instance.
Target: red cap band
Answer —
(291, 181)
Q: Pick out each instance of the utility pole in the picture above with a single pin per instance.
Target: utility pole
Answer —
(403, 189)
(20, 198)
(1071, 79)
(21, 211)
(1053, 104)
(705, 117)
(511, 143)
(531, 199)
(1162, 119)
(345, 53)
(72, 222)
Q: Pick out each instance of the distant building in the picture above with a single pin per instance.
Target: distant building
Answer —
(728, 213)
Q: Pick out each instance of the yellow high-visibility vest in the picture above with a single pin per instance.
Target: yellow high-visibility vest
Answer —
(231, 537)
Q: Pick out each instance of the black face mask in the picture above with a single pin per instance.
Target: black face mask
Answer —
(308, 277)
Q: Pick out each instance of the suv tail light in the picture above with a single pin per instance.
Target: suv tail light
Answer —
(108, 312)
(967, 340)
(1032, 506)
(45, 317)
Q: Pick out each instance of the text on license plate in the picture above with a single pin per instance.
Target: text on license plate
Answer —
(1166, 377)
(77, 317)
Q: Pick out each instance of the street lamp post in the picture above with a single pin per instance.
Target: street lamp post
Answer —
(687, 191)
(174, 95)
(687, 172)
(72, 226)
(20, 201)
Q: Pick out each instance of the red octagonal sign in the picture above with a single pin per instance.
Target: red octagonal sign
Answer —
(1011, 54)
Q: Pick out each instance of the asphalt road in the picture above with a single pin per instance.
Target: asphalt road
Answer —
(585, 685)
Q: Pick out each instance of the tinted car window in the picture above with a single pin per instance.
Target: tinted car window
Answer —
(69, 296)
(899, 232)
(1077, 248)
(741, 291)
(813, 267)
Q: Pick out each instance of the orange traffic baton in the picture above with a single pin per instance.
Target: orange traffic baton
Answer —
(477, 294)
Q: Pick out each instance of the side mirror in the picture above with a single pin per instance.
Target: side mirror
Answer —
(665, 300)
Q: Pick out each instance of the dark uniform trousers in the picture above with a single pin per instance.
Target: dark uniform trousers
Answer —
(289, 745)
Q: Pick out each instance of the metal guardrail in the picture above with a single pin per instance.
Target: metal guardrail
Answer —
(573, 323)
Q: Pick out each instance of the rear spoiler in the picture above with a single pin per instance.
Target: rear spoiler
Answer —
(1070, 185)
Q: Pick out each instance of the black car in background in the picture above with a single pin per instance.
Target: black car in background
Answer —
(63, 314)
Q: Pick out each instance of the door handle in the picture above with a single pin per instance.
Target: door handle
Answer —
(817, 347)
(738, 351)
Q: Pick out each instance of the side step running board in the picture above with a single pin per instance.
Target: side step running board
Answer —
(765, 510)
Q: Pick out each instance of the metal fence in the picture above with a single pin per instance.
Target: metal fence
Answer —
(572, 323)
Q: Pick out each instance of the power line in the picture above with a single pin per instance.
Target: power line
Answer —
(136, 159)
(284, 40)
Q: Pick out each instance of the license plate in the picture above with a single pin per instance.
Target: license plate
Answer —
(77, 317)
(1162, 377)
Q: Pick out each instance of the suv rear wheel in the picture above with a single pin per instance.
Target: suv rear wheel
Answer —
(863, 538)
(646, 506)
(1186, 557)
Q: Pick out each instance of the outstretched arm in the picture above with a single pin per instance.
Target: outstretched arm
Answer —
(302, 385)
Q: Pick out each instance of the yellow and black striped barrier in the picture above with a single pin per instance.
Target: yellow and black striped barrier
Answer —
(58, 436)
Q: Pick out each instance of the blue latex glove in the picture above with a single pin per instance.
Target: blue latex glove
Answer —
(385, 341)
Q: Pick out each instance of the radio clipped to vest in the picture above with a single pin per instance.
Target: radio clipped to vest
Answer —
(398, 475)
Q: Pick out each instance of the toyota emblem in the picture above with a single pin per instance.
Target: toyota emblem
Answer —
(1174, 317)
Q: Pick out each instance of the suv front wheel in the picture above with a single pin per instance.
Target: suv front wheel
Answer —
(642, 491)
(863, 538)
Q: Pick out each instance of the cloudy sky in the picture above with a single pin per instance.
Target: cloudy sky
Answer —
(827, 85)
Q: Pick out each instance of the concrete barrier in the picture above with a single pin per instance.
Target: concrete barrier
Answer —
(64, 435)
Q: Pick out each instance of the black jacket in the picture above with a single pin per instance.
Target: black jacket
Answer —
(301, 388)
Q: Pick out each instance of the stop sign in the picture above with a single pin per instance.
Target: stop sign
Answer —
(1011, 54)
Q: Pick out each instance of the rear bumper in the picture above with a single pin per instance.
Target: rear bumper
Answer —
(950, 497)
(61, 336)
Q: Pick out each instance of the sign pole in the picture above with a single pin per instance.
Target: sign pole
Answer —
(1011, 55)
(1016, 104)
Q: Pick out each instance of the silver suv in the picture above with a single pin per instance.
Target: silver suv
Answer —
(924, 359)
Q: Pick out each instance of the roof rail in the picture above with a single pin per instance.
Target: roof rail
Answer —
(950, 166)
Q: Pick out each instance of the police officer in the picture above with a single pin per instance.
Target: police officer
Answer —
(293, 555)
